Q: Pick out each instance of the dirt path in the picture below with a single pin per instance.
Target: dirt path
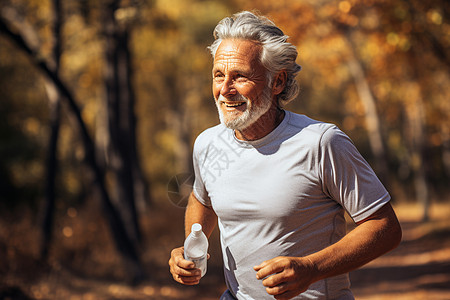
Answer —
(418, 269)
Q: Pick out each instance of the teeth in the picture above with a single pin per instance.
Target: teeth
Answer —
(234, 104)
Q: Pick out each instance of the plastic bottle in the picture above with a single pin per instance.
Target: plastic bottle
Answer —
(196, 247)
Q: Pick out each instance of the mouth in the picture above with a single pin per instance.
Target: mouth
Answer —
(234, 104)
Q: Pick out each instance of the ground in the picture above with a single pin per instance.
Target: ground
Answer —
(83, 264)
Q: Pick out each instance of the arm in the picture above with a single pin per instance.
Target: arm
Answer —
(182, 270)
(196, 212)
(374, 236)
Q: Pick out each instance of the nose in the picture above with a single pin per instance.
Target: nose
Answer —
(227, 87)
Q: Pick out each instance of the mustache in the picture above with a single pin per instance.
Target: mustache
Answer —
(236, 98)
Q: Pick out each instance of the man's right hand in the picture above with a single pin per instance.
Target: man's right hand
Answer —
(183, 271)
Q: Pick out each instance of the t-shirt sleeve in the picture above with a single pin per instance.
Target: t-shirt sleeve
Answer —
(198, 159)
(348, 178)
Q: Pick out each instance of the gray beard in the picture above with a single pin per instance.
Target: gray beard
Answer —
(249, 116)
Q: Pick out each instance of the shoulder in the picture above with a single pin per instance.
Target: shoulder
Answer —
(310, 128)
(335, 138)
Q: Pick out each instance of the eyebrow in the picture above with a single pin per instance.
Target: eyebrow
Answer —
(248, 72)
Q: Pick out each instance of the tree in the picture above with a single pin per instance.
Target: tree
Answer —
(55, 117)
(121, 119)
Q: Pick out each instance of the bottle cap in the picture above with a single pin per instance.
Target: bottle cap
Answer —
(196, 227)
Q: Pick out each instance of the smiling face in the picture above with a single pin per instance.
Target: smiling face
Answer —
(240, 85)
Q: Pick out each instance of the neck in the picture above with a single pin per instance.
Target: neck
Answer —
(263, 126)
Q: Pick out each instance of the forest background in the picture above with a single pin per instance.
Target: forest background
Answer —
(101, 102)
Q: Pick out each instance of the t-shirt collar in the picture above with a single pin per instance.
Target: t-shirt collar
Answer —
(266, 139)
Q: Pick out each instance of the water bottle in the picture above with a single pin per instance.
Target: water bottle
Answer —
(196, 247)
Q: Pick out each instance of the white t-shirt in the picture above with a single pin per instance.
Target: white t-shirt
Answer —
(283, 195)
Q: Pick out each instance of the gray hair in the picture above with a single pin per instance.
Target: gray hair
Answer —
(276, 55)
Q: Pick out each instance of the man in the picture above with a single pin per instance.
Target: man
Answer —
(278, 183)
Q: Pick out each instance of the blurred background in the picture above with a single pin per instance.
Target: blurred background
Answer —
(101, 102)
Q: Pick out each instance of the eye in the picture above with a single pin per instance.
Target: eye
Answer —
(218, 77)
(240, 77)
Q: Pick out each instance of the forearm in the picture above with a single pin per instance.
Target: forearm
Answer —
(196, 212)
(370, 239)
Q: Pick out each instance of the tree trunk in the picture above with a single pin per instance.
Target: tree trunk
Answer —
(416, 132)
(55, 112)
(140, 187)
(415, 111)
(372, 119)
(122, 150)
(446, 148)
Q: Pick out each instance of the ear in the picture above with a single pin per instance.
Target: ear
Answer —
(279, 82)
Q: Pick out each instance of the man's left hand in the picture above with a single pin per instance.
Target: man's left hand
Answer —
(286, 277)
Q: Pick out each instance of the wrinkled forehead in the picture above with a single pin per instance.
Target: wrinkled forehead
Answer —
(237, 52)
